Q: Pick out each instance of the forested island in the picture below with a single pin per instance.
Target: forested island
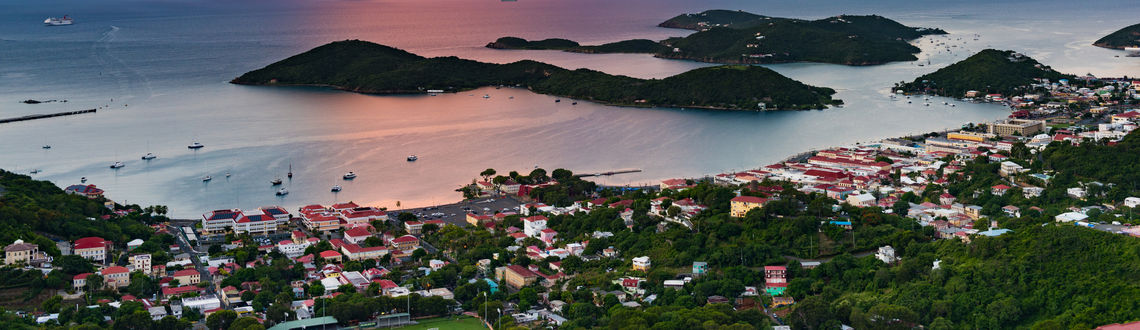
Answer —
(366, 67)
(1126, 37)
(626, 46)
(988, 71)
(726, 36)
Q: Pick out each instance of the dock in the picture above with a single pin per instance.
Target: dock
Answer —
(622, 171)
(42, 116)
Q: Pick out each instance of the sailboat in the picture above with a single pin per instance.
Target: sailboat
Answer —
(275, 181)
(207, 178)
(149, 155)
(290, 174)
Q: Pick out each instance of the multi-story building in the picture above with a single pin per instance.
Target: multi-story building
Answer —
(255, 223)
(533, 226)
(141, 263)
(361, 216)
(742, 204)
(516, 276)
(188, 276)
(318, 221)
(92, 248)
(775, 279)
(641, 263)
(19, 252)
(116, 276)
(219, 221)
(406, 243)
(1016, 127)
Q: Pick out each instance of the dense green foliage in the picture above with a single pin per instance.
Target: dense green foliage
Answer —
(737, 37)
(625, 46)
(371, 68)
(1126, 37)
(715, 17)
(988, 71)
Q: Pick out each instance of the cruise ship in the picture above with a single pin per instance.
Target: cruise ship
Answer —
(54, 21)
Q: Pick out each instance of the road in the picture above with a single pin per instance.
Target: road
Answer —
(185, 246)
(456, 213)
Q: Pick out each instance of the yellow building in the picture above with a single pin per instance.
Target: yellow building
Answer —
(742, 204)
(968, 136)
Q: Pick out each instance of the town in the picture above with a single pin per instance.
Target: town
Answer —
(555, 250)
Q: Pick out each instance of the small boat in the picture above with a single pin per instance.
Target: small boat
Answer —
(952, 105)
(227, 174)
(282, 192)
(486, 96)
(149, 156)
(336, 188)
(512, 97)
(275, 181)
(557, 100)
(207, 178)
(349, 175)
(47, 146)
(195, 145)
(58, 21)
(413, 158)
(35, 171)
(117, 165)
(83, 180)
(926, 104)
(574, 103)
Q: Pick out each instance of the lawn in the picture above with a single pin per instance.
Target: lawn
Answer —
(449, 323)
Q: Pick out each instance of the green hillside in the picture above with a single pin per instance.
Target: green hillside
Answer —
(1126, 37)
(744, 38)
(366, 67)
(988, 71)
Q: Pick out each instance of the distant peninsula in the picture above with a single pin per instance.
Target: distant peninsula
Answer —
(1126, 37)
(737, 37)
(988, 71)
(366, 67)
(626, 46)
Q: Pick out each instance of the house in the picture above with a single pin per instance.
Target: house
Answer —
(141, 263)
(533, 226)
(116, 276)
(999, 189)
(406, 243)
(641, 263)
(1077, 193)
(1132, 202)
(188, 276)
(516, 276)
(861, 200)
(476, 219)
(19, 252)
(547, 236)
(742, 204)
(1012, 211)
(700, 268)
(886, 254)
(1010, 168)
(330, 256)
(675, 184)
(88, 191)
(92, 248)
(356, 235)
(946, 199)
(775, 279)
(1127, 117)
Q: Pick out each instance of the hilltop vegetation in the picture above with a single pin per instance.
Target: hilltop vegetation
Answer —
(1126, 37)
(739, 37)
(367, 67)
(625, 46)
(988, 71)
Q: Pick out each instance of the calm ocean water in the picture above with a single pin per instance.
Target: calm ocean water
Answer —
(158, 71)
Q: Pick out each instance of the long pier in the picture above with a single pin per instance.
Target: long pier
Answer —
(631, 170)
(42, 116)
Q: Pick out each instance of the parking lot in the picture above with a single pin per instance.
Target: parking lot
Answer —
(457, 213)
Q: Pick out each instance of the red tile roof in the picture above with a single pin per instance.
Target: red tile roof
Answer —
(749, 199)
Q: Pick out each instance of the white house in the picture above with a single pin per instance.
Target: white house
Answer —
(1132, 202)
(886, 254)
(533, 226)
(861, 200)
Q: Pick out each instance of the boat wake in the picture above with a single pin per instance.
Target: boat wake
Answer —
(133, 86)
